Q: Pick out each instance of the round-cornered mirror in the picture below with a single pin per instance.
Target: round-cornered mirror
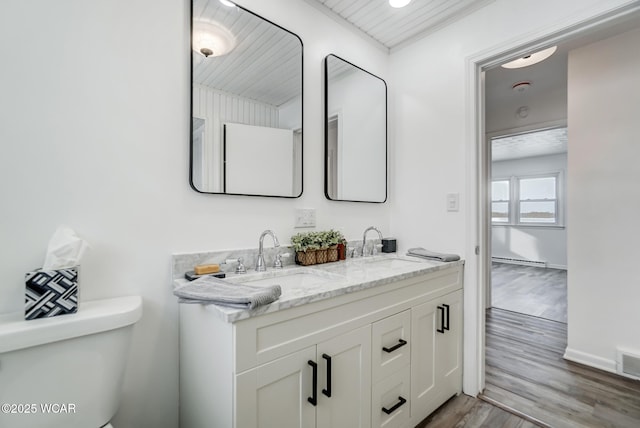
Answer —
(355, 133)
(246, 103)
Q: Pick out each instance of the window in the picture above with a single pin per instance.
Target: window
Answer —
(500, 201)
(525, 200)
(537, 200)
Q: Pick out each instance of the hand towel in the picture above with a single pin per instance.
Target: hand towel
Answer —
(211, 290)
(426, 254)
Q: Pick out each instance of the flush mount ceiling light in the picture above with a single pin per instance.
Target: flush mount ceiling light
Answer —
(227, 3)
(211, 40)
(399, 3)
(531, 59)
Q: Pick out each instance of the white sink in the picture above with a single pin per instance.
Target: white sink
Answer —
(288, 278)
(394, 263)
(388, 263)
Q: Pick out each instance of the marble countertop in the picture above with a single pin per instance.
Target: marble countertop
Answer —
(302, 285)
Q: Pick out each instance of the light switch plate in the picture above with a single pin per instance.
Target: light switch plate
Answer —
(453, 201)
(305, 217)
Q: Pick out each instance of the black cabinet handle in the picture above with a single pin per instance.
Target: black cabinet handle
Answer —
(327, 391)
(314, 392)
(400, 344)
(441, 330)
(395, 406)
(446, 327)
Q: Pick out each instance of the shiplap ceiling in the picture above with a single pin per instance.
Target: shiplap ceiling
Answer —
(390, 26)
(265, 65)
(539, 143)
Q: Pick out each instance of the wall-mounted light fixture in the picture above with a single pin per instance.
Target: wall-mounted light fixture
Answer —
(210, 39)
(531, 59)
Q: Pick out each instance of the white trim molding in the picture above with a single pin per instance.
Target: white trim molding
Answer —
(590, 360)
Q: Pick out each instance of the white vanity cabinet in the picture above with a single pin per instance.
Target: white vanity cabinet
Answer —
(322, 386)
(376, 351)
(437, 353)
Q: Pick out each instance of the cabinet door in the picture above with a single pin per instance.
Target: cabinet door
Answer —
(449, 345)
(423, 363)
(275, 395)
(344, 373)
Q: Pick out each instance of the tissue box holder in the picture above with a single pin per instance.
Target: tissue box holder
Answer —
(50, 293)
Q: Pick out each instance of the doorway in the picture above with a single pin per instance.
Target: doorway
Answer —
(482, 223)
(478, 223)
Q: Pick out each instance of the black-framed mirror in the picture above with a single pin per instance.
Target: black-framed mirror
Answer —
(355, 133)
(246, 103)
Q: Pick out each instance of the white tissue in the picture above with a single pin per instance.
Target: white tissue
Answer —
(65, 249)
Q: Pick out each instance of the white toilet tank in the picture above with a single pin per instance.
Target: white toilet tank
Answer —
(65, 371)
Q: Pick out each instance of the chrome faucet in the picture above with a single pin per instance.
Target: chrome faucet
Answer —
(260, 265)
(364, 237)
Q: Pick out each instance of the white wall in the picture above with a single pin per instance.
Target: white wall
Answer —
(543, 243)
(433, 132)
(95, 133)
(604, 199)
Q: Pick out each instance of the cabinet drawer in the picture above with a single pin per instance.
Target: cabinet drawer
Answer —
(390, 345)
(390, 401)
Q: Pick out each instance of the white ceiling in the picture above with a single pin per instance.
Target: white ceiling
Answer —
(392, 27)
(265, 65)
(539, 143)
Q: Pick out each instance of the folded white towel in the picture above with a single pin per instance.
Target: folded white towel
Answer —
(426, 254)
(211, 290)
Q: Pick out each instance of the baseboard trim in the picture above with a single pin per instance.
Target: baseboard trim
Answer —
(542, 265)
(562, 267)
(590, 360)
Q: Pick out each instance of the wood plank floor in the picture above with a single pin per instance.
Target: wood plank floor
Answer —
(541, 292)
(525, 371)
(464, 411)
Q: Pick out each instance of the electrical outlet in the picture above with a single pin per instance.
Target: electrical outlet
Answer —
(305, 217)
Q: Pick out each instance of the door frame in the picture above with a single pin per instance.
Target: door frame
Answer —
(478, 165)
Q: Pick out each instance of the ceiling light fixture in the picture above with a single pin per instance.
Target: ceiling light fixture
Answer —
(227, 3)
(211, 40)
(531, 59)
(399, 3)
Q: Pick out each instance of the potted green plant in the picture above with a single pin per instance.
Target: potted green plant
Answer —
(333, 239)
(320, 239)
(317, 247)
(305, 246)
